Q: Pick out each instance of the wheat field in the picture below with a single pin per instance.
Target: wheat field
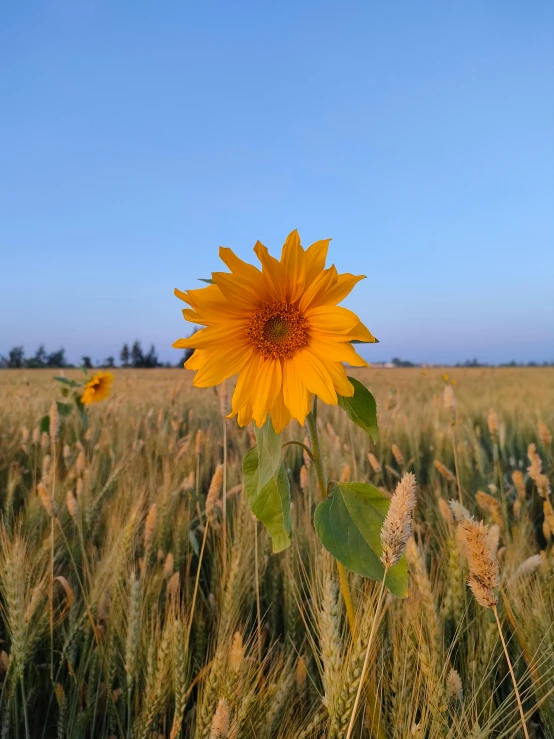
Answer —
(140, 598)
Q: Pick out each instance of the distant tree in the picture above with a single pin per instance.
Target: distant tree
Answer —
(402, 362)
(125, 355)
(86, 362)
(137, 358)
(151, 359)
(109, 362)
(56, 359)
(16, 358)
(39, 360)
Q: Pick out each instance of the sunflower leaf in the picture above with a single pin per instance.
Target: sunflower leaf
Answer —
(66, 381)
(64, 409)
(269, 452)
(361, 408)
(209, 282)
(270, 503)
(348, 524)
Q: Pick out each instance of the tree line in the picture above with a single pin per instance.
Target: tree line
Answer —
(131, 355)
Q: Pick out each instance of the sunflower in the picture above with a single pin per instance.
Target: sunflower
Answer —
(279, 328)
(98, 388)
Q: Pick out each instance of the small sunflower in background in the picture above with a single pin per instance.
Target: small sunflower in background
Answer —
(97, 388)
(279, 329)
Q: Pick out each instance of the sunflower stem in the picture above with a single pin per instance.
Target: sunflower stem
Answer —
(311, 422)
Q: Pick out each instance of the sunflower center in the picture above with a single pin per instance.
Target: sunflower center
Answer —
(277, 330)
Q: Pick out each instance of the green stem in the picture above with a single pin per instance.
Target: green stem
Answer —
(304, 447)
(25, 715)
(129, 709)
(311, 422)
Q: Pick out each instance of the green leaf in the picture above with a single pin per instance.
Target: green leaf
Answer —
(210, 282)
(270, 503)
(269, 452)
(64, 409)
(65, 381)
(45, 425)
(349, 523)
(361, 408)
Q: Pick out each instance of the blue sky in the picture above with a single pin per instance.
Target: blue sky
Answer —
(136, 137)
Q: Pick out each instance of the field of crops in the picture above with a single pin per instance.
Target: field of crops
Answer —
(140, 598)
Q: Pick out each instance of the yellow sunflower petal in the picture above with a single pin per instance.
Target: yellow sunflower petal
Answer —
(245, 415)
(361, 333)
(192, 316)
(268, 386)
(238, 267)
(210, 302)
(280, 415)
(295, 392)
(342, 384)
(237, 290)
(245, 383)
(323, 282)
(292, 259)
(180, 294)
(315, 377)
(196, 360)
(331, 319)
(327, 348)
(314, 259)
(215, 336)
(273, 272)
(339, 291)
(219, 365)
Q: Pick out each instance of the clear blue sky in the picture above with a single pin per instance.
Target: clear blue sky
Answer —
(136, 137)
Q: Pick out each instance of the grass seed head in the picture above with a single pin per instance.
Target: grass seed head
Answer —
(544, 434)
(397, 526)
(454, 689)
(219, 728)
(483, 564)
(444, 471)
(374, 462)
(213, 492)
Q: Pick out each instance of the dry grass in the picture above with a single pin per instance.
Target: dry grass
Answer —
(101, 534)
